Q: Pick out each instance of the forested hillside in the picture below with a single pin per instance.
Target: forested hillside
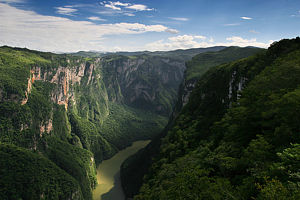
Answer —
(61, 115)
(238, 136)
(201, 63)
(137, 165)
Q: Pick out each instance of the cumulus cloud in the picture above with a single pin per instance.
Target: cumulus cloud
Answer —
(96, 19)
(246, 18)
(179, 18)
(239, 41)
(191, 41)
(66, 10)
(25, 28)
(177, 42)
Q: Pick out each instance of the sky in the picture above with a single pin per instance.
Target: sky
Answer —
(138, 25)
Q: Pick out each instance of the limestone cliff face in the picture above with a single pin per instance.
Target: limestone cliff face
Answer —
(64, 78)
(58, 105)
(143, 81)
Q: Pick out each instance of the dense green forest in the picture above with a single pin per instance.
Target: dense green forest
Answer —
(64, 114)
(202, 62)
(137, 165)
(69, 113)
(237, 137)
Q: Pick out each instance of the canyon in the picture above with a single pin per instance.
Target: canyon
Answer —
(73, 112)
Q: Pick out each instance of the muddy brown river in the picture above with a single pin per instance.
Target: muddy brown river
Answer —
(108, 174)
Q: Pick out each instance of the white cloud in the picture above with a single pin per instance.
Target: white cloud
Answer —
(66, 10)
(179, 18)
(190, 41)
(25, 28)
(139, 7)
(96, 19)
(186, 38)
(112, 6)
(129, 14)
(118, 6)
(118, 3)
(178, 42)
(246, 18)
(200, 37)
(239, 41)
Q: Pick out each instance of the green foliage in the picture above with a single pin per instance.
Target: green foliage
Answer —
(28, 175)
(125, 125)
(15, 71)
(204, 61)
(238, 128)
(25, 126)
(93, 128)
(274, 189)
(91, 138)
(81, 166)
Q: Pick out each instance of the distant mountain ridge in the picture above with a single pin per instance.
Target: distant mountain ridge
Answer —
(182, 54)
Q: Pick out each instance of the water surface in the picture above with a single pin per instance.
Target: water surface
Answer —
(108, 174)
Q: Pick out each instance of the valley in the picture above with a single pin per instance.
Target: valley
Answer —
(235, 138)
(81, 119)
(75, 112)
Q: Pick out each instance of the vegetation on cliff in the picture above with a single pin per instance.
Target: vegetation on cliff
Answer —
(196, 68)
(238, 136)
(63, 109)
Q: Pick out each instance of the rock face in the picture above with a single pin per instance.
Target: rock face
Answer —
(68, 108)
(64, 78)
(58, 106)
(202, 63)
(144, 82)
(147, 82)
(196, 74)
(221, 127)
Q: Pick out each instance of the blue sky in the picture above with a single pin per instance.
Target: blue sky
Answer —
(135, 25)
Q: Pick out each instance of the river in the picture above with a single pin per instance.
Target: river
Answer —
(108, 174)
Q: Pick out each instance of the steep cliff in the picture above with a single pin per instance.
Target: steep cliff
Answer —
(73, 112)
(198, 65)
(58, 106)
(138, 165)
(37, 95)
(144, 82)
(237, 137)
